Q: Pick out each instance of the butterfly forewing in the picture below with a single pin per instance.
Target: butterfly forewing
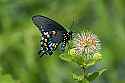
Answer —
(46, 24)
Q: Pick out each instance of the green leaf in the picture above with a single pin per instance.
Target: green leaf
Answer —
(7, 79)
(94, 75)
(66, 57)
(78, 77)
(101, 71)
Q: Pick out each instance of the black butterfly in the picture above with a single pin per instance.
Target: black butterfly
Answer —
(53, 34)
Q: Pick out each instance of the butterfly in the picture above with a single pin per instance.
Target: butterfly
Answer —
(52, 35)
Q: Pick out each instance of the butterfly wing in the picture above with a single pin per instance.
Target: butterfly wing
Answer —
(46, 24)
(52, 34)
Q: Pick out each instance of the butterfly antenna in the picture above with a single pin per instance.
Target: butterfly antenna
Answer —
(73, 22)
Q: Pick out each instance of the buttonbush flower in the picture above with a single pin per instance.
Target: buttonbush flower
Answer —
(87, 44)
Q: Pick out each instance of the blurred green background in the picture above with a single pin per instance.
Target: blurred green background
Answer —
(19, 39)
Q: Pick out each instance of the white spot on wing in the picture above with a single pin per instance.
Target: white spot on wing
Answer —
(48, 35)
(42, 38)
(45, 40)
(45, 33)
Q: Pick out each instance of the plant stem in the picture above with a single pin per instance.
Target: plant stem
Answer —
(84, 70)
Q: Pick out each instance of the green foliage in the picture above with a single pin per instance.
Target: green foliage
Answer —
(6, 78)
(19, 39)
(92, 76)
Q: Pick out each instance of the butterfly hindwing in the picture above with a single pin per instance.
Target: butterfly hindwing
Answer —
(52, 34)
(49, 41)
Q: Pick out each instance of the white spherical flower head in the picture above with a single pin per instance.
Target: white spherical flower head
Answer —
(87, 43)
